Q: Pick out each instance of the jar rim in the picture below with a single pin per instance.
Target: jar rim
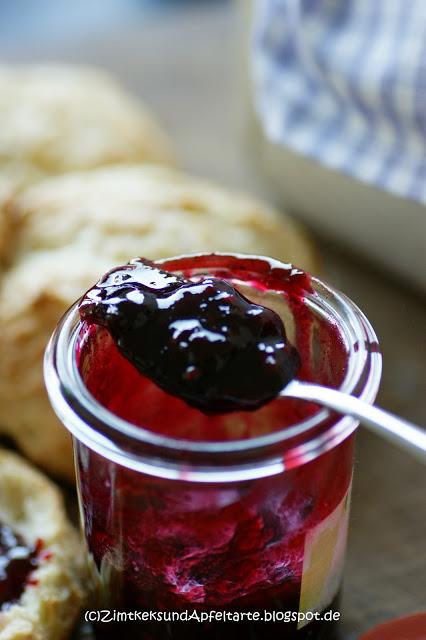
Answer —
(96, 426)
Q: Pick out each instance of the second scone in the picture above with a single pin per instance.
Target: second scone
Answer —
(49, 598)
(73, 228)
(61, 117)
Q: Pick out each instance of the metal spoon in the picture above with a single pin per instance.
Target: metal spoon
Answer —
(400, 432)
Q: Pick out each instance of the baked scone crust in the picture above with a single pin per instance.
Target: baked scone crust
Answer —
(73, 228)
(61, 117)
(33, 507)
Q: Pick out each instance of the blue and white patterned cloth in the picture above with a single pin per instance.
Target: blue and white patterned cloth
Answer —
(344, 83)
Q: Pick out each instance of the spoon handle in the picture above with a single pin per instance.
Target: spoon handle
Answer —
(400, 432)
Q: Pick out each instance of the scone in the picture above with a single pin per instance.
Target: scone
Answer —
(73, 228)
(41, 594)
(57, 118)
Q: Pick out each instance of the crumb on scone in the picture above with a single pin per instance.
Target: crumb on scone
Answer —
(52, 599)
(73, 228)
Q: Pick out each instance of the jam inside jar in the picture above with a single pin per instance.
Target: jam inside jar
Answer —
(215, 525)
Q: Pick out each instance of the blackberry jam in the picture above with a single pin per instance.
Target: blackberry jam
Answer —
(17, 561)
(190, 506)
(195, 338)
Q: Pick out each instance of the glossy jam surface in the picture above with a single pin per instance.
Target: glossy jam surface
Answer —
(170, 545)
(200, 340)
(118, 385)
(17, 561)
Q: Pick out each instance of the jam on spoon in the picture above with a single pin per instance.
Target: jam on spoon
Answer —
(17, 561)
(198, 339)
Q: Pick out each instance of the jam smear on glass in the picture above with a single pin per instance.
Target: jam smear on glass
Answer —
(201, 340)
(17, 561)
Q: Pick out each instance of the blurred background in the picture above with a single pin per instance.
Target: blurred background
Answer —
(190, 61)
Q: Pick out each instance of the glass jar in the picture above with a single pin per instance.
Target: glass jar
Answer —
(251, 522)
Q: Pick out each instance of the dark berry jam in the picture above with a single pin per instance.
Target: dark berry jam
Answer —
(273, 543)
(121, 387)
(201, 340)
(17, 561)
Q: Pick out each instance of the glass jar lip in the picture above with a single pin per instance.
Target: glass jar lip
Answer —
(79, 410)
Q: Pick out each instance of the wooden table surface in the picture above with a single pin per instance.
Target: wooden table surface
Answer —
(184, 63)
